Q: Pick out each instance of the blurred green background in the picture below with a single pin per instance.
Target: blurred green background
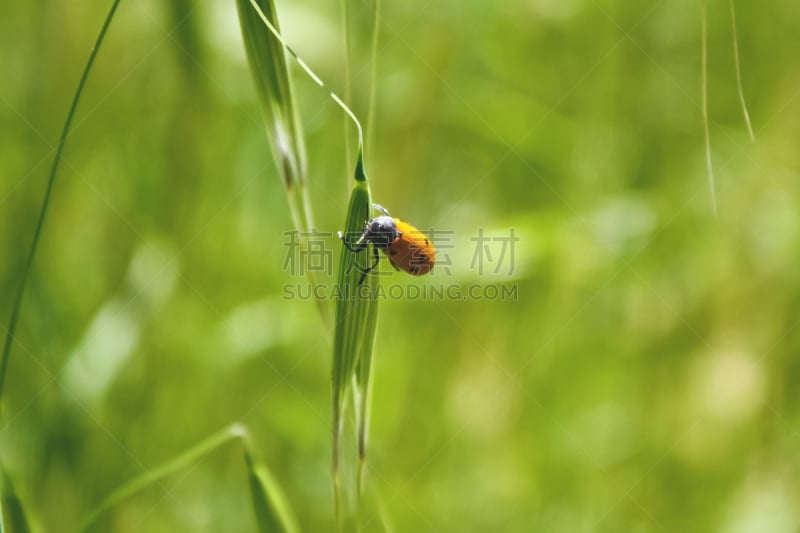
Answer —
(646, 379)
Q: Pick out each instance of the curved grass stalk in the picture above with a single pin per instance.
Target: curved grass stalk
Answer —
(12, 325)
(360, 384)
(375, 17)
(356, 314)
(308, 70)
(739, 74)
(270, 505)
(170, 467)
(274, 89)
(704, 77)
(356, 320)
(348, 82)
(373, 75)
(12, 512)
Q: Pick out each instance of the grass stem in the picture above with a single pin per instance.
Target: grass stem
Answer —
(704, 77)
(739, 74)
(308, 70)
(12, 324)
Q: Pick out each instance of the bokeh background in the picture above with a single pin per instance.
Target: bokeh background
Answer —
(646, 378)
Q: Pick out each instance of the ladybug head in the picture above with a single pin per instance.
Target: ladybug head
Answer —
(381, 232)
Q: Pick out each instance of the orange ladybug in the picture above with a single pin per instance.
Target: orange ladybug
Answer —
(407, 248)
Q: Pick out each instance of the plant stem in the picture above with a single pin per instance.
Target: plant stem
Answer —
(739, 74)
(704, 74)
(310, 72)
(208, 445)
(12, 325)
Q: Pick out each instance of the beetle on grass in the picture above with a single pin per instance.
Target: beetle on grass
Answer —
(407, 248)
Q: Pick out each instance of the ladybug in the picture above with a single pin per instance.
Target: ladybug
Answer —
(407, 248)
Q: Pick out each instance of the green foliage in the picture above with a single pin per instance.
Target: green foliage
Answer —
(356, 308)
(12, 512)
(273, 511)
(644, 378)
(37, 232)
(267, 59)
(9, 502)
(274, 90)
(356, 322)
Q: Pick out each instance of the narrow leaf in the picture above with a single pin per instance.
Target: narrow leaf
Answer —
(266, 53)
(364, 379)
(272, 510)
(704, 88)
(37, 232)
(742, 101)
(356, 312)
(12, 513)
(154, 475)
(270, 72)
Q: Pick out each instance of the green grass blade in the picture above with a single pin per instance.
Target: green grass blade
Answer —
(742, 101)
(12, 513)
(154, 475)
(364, 379)
(355, 317)
(361, 377)
(348, 79)
(356, 15)
(356, 312)
(276, 33)
(271, 507)
(274, 89)
(12, 324)
(704, 88)
(363, 398)
(373, 74)
(267, 59)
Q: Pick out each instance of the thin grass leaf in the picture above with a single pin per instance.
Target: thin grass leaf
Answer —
(267, 59)
(348, 77)
(362, 398)
(37, 232)
(272, 509)
(12, 514)
(356, 312)
(356, 306)
(267, 22)
(357, 15)
(363, 388)
(373, 74)
(704, 88)
(274, 90)
(742, 101)
(362, 376)
(152, 476)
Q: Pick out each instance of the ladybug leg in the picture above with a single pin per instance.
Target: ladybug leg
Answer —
(360, 244)
(371, 267)
(381, 209)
